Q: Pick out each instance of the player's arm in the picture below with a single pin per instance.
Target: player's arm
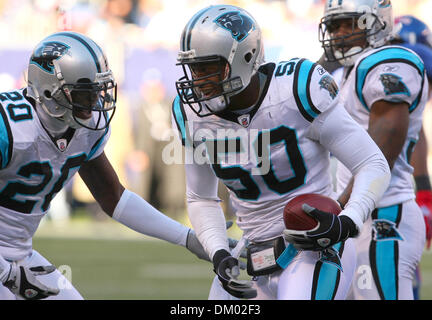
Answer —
(388, 127)
(132, 210)
(422, 182)
(208, 221)
(419, 158)
(351, 145)
(348, 142)
(389, 97)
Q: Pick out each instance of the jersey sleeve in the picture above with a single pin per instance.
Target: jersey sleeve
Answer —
(393, 74)
(352, 145)
(425, 53)
(6, 139)
(99, 145)
(314, 89)
(180, 122)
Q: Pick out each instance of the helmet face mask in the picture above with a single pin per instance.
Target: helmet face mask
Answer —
(371, 27)
(343, 47)
(205, 82)
(85, 98)
(220, 51)
(70, 80)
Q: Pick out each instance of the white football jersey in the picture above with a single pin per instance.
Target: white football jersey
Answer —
(269, 155)
(34, 168)
(394, 74)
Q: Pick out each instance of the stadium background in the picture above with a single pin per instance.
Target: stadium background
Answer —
(140, 37)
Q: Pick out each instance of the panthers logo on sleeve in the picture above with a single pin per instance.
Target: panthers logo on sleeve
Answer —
(239, 25)
(46, 53)
(327, 82)
(393, 84)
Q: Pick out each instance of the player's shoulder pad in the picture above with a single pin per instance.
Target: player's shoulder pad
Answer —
(100, 143)
(6, 136)
(387, 55)
(314, 89)
(425, 52)
(180, 117)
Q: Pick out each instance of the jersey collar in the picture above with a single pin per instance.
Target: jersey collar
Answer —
(61, 142)
(267, 70)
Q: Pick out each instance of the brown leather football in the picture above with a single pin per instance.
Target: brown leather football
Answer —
(296, 219)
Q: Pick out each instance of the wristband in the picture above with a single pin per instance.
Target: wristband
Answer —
(422, 182)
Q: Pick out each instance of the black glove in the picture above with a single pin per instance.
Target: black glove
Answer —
(227, 269)
(330, 230)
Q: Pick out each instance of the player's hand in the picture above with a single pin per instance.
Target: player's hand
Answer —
(23, 282)
(227, 269)
(330, 230)
(424, 200)
(194, 246)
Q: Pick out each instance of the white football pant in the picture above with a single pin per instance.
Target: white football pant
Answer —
(389, 248)
(55, 280)
(305, 278)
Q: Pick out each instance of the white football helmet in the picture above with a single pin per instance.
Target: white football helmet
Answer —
(69, 77)
(374, 18)
(225, 35)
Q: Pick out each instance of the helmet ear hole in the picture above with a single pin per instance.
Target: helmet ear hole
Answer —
(248, 57)
(47, 94)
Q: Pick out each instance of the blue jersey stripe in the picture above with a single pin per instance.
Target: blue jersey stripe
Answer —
(6, 139)
(325, 283)
(301, 89)
(385, 56)
(386, 268)
(388, 213)
(384, 256)
(180, 119)
(306, 69)
(425, 53)
(97, 145)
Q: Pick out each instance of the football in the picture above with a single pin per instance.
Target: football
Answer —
(296, 219)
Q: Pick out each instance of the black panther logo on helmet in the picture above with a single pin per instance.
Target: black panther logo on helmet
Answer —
(46, 53)
(238, 24)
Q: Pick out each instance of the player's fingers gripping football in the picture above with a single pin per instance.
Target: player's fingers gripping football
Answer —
(23, 282)
(330, 230)
(227, 269)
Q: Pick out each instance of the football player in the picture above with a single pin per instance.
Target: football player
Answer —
(416, 35)
(55, 127)
(265, 130)
(384, 88)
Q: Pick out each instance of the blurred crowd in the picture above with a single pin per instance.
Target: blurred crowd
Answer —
(140, 39)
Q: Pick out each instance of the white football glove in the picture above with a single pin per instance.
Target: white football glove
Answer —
(22, 282)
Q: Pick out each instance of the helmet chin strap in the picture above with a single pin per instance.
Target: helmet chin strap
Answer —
(53, 125)
(216, 104)
(350, 57)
